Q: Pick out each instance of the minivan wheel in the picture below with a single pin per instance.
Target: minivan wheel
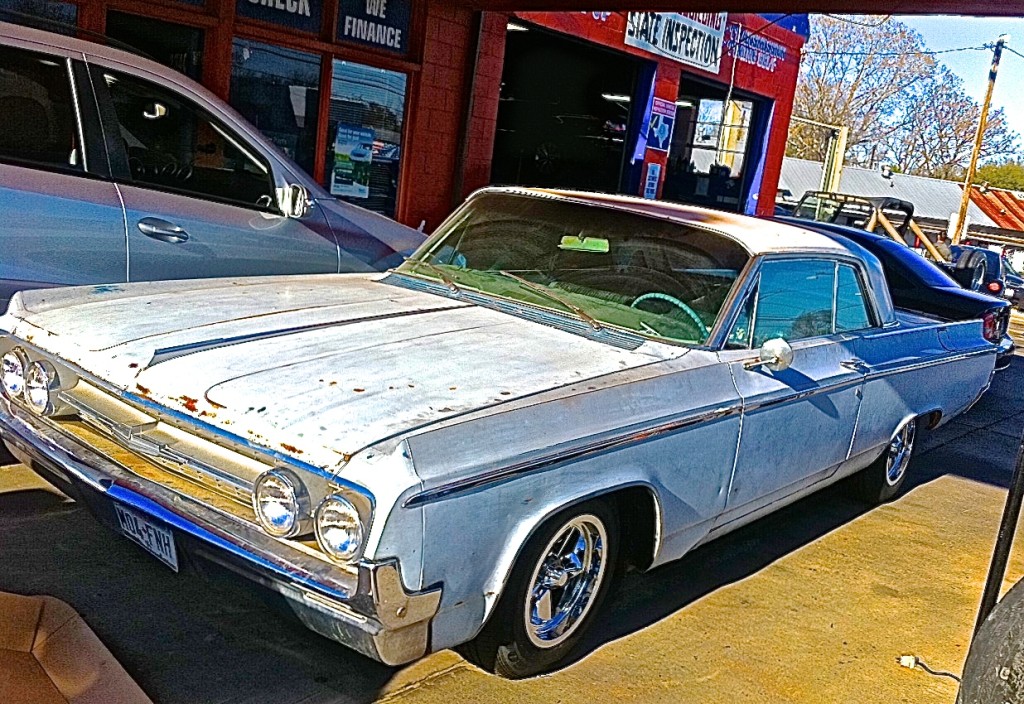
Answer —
(882, 479)
(558, 584)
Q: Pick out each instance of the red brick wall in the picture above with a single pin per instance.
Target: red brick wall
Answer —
(436, 116)
(484, 120)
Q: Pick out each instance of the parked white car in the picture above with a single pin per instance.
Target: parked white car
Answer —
(464, 450)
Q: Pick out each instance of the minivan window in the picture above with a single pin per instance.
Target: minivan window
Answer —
(172, 144)
(40, 127)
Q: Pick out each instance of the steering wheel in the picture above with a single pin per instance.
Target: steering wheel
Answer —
(676, 302)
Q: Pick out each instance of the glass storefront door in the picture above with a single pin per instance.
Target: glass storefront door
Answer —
(364, 135)
(710, 157)
(174, 45)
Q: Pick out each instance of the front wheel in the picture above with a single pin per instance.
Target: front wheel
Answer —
(882, 479)
(556, 587)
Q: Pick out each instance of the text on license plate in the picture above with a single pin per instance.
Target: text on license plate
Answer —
(156, 539)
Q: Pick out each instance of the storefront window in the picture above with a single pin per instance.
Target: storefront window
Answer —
(721, 142)
(364, 135)
(710, 149)
(278, 90)
(60, 17)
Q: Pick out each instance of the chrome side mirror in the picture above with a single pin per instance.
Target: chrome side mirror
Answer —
(295, 201)
(776, 355)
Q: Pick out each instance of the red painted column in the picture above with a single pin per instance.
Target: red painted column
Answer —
(666, 87)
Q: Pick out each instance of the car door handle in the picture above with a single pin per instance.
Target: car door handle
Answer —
(162, 230)
(857, 365)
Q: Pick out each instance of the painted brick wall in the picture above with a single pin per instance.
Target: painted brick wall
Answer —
(436, 116)
(484, 120)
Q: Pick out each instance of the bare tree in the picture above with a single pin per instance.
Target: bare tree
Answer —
(856, 72)
(902, 106)
(936, 137)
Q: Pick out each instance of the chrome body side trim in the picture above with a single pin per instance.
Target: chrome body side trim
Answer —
(556, 458)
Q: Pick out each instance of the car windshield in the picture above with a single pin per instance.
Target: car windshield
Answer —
(604, 266)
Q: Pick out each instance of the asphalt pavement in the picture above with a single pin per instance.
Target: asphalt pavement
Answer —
(812, 604)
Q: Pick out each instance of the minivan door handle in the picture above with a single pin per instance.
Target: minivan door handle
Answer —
(162, 230)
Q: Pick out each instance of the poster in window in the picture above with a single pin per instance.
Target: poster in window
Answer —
(353, 152)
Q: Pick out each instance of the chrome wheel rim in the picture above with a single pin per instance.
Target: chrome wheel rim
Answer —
(565, 581)
(898, 455)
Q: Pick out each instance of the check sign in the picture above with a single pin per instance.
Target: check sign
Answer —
(156, 539)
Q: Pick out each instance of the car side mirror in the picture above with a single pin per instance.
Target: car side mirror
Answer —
(776, 355)
(295, 201)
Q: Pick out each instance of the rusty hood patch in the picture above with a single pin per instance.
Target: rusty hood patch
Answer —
(317, 367)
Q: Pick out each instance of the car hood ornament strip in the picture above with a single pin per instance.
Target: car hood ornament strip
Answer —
(166, 354)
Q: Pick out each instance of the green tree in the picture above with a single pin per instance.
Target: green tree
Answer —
(1005, 174)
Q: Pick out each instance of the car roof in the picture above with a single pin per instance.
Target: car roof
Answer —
(757, 236)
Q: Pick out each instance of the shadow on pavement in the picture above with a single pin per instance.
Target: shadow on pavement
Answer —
(188, 639)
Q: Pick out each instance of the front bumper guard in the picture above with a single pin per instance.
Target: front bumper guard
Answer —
(368, 609)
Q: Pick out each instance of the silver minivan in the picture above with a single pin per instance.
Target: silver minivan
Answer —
(114, 168)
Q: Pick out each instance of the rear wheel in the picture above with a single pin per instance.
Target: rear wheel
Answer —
(556, 587)
(882, 479)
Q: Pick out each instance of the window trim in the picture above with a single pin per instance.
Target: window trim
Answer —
(752, 284)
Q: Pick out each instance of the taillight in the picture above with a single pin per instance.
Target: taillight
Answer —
(995, 286)
(993, 326)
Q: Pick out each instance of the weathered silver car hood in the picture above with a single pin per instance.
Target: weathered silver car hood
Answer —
(318, 367)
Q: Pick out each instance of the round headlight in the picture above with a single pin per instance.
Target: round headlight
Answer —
(12, 374)
(281, 503)
(40, 383)
(339, 531)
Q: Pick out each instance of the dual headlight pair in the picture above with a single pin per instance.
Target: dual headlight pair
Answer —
(32, 383)
(283, 508)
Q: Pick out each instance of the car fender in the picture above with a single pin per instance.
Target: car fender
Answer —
(464, 612)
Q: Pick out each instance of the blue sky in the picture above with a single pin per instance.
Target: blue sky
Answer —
(941, 32)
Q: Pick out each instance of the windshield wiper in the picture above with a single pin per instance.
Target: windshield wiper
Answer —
(544, 291)
(441, 275)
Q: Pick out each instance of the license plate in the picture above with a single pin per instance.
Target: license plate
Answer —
(154, 538)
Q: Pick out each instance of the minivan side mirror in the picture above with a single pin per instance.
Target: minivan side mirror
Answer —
(295, 201)
(775, 355)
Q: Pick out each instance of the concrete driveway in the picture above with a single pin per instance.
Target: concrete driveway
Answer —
(812, 604)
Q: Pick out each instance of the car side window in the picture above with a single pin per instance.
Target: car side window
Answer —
(851, 305)
(39, 122)
(795, 299)
(172, 144)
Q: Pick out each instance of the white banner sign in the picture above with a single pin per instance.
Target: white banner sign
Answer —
(691, 38)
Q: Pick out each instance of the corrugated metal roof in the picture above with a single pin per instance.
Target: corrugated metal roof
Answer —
(932, 197)
(1005, 208)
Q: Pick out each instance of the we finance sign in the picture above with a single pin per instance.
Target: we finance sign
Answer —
(691, 38)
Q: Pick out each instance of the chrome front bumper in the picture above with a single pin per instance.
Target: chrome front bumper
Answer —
(367, 609)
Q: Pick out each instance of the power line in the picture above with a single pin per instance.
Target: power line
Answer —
(1012, 51)
(898, 53)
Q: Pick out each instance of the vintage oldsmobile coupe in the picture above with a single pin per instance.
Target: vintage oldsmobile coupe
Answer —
(464, 450)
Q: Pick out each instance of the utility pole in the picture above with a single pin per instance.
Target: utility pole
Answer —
(961, 218)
